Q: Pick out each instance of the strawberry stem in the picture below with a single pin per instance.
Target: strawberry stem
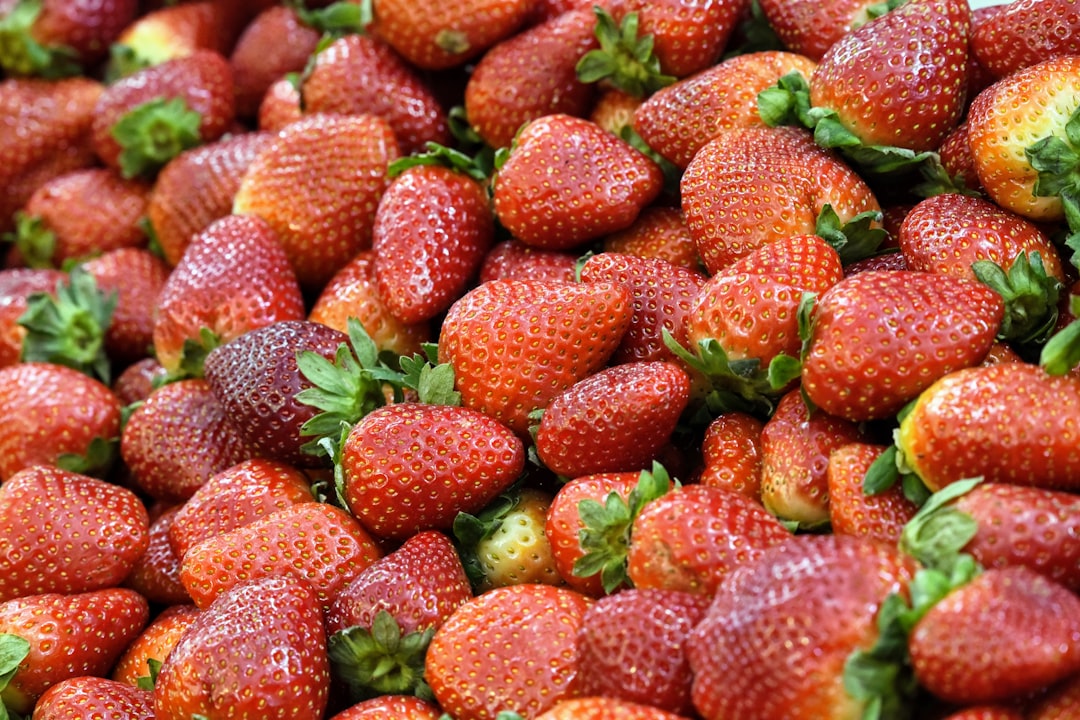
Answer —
(623, 59)
(153, 133)
(1030, 295)
(381, 660)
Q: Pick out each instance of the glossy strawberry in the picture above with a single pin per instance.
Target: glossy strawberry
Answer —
(811, 28)
(16, 286)
(390, 707)
(153, 644)
(1024, 34)
(599, 707)
(156, 574)
(274, 43)
(659, 232)
(514, 260)
(731, 453)
(854, 511)
(85, 696)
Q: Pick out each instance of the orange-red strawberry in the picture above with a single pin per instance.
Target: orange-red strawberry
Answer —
(16, 287)
(361, 75)
(572, 329)
(1025, 33)
(146, 119)
(88, 696)
(852, 510)
(56, 38)
(234, 277)
(156, 574)
(514, 260)
(274, 43)
(280, 106)
(318, 185)
(258, 651)
(51, 637)
(68, 533)
(731, 453)
(153, 644)
(659, 232)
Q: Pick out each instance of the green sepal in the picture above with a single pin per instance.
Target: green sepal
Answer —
(606, 527)
(858, 238)
(13, 650)
(99, 459)
(69, 328)
(193, 352)
(437, 154)
(336, 20)
(938, 532)
(35, 241)
(623, 59)
(1061, 353)
(1030, 295)
(787, 102)
(432, 381)
(153, 133)
(381, 660)
(936, 180)
(1057, 162)
(21, 54)
(756, 33)
(148, 681)
(881, 676)
(469, 530)
(872, 160)
(125, 60)
(882, 473)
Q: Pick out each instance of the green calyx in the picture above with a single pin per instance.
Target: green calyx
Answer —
(469, 530)
(153, 133)
(381, 660)
(478, 168)
(33, 238)
(1061, 353)
(13, 651)
(857, 239)
(1031, 298)
(69, 328)
(337, 19)
(22, 55)
(623, 59)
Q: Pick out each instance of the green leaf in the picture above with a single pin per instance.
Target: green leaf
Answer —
(882, 473)
(856, 239)
(22, 54)
(35, 241)
(1061, 353)
(380, 660)
(938, 532)
(1030, 296)
(441, 155)
(787, 102)
(148, 681)
(623, 59)
(336, 20)
(153, 133)
(13, 650)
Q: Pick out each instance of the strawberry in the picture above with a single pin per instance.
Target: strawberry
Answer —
(615, 420)
(395, 487)
(659, 232)
(749, 187)
(472, 662)
(1024, 34)
(51, 637)
(811, 28)
(259, 650)
(447, 35)
(145, 119)
(69, 533)
(235, 277)
(957, 161)
(574, 329)
(539, 62)
(197, 187)
(407, 594)
(136, 381)
(731, 453)
(663, 296)
(953, 430)
(52, 38)
(632, 647)
(986, 712)
(870, 338)
(814, 595)
(432, 229)
(614, 110)
(361, 75)
(47, 130)
(234, 497)
(145, 653)
(853, 511)
(280, 106)
(80, 214)
(84, 697)
(603, 708)
(317, 543)
(17, 285)
(335, 165)
(1058, 703)
(353, 292)
(1036, 642)
(514, 260)
(390, 707)
(178, 438)
(156, 574)
(54, 415)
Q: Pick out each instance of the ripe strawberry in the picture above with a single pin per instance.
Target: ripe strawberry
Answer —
(447, 35)
(986, 712)
(146, 119)
(136, 381)
(335, 165)
(68, 533)
(390, 707)
(899, 79)
(573, 328)
(749, 187)
(53, 38)
(1036, 640)
(1058, 703)
(957, 161)
(816, 596)
(632, 647)
(878, 339)
(795, 448)
(87, 696)
(659, 232)
(235, 277)
(473, 661)
(52, 637)
(954, 429)
(614, 110)
(16, 287)
(432, 230)
(231, 660)
(54, 415)
(514, 260)
(615, 420)
(604, 708)
(280, 106)
(156, 574)
(153, 644)
(811, 28)
(663, 295)
(178, 438)
(539, 62)
(80, 214)
(169, 32)
(274, 43)
(853, 511)
(46, 133)
(1024, 34)
(731, 452)
(317, 543)
(197, 187)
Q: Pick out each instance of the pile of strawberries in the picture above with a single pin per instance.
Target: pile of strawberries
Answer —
(540, 359)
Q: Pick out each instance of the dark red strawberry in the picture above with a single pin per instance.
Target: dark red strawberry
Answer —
(514, 260)
(156, 574)
(659, 232)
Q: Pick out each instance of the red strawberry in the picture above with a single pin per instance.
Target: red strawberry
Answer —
(156, 574)
(56, 38)
(51, 414)
(731, 452)
(604, 708)
(390, 707)
(659, 232)
(168, 32)
(138, 380)
(986, 712)
(51, 637)
(68, 533)
(1058, 703)
(153, 644)
(852, 510)
(602, 183)
(87, 696)
(816, 596)
(632, 647)
(616, 420)
(574, 329)
(878, 339)
(810, 27)
(432, 230)
(514, 260)
(16, 286)
(234, 277)
(258, 650)
(473, 661)
(954, 430)
(317, 543)
(413, 466)
(335, 164)
(144, 120)
(614, 110)
(280, 106)
(1036, 638)
(957, 161)
(1025, 33)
